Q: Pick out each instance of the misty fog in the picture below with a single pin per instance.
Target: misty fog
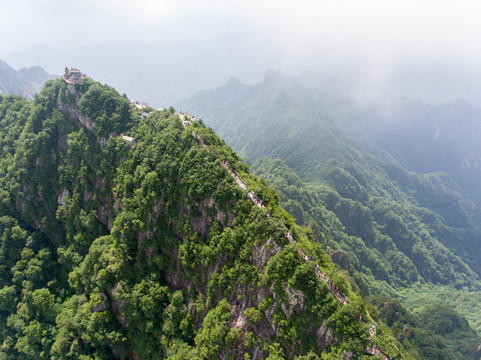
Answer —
(162, 51)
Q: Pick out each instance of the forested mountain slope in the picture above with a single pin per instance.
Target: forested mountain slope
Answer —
(426, 138)
(398, 233)
(148, 249)
(421, 137)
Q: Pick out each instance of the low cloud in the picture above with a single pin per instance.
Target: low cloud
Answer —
(370, 42)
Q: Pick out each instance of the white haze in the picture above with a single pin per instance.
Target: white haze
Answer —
(422, 48)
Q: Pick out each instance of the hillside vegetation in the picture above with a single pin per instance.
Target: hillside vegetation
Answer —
(152, 250)
(397, 233)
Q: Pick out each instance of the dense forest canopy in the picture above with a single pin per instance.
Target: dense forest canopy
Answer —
(151, 249)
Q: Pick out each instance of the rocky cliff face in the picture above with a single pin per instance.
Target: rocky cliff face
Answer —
(72, 109)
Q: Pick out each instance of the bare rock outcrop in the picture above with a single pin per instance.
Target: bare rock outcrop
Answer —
(102, 305)
(262, 253)
(203, 222)
(72, 109)
(63, 196)
(340, 257)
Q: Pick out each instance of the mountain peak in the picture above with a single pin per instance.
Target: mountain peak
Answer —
(25, 82)
(233, 81)
(275, 76)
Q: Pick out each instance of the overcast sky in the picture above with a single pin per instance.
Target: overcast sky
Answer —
(419, 26)
(375, 34)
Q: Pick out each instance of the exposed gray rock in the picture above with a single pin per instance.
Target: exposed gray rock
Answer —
(261, 254)
(63, 196)
(101, 306)
(340, 257)
(346, 355)
(325, 336)
(295, 301)
(72, 109)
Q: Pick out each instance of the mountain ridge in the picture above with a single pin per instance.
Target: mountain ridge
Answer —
(25, 82)
(391, 229)
(149, 248)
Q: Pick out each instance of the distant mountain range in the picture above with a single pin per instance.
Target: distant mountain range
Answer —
(25, 82)
(391, 188)
(421, 137)
(161, 73)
